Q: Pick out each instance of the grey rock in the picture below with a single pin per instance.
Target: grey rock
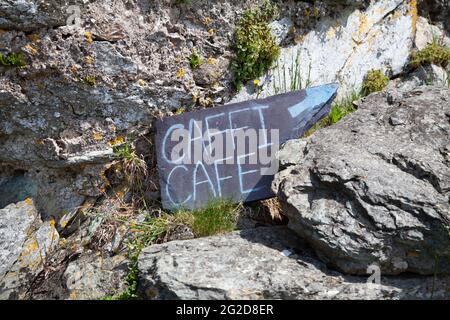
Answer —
(426, 33)
(438, 11)
(25, 243)
(375, 187)
(280, 28)
(424, 75)
(93, 276)
(56, 129)
(261, 263)
(28, 15)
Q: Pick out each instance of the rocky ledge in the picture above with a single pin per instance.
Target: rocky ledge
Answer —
(262, 263)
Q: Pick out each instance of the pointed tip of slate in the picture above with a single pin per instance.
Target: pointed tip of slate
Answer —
(315, 96)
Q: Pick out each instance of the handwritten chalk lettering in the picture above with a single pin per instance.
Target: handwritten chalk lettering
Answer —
(229, 151)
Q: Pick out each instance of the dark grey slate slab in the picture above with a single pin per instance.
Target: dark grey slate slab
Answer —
(190, 183)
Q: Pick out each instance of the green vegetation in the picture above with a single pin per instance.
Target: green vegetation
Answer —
(338, 111)
(255, 46)
(12, 60)
(183, 1)
(194, 60)
(374, 81)
(433, 53)
(133, 165)
(292, 79)
(219, 216)
(90, 80)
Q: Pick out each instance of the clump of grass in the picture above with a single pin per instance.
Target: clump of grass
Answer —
(12, 60)
(338, 111)
(433, 53)
(90, 80)
(195, 60)
(133, 165)
(255, 45)
(218, 216)
(374, 81)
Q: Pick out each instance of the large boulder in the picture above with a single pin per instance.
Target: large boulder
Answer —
(25, 245)
(261, 263)
(374, 188)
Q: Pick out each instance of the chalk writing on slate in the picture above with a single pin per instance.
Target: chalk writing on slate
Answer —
(228, 151)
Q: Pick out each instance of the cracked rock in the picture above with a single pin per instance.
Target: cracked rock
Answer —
(250, 264)
(374, 188)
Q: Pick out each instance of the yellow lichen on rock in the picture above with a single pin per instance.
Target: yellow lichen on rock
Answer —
(98, 136)
(413, 13)
(117, 140)
(31, 49)
(88, 37)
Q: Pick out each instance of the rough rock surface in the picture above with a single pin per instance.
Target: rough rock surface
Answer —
(25, 243)
(261, 263)
(375, 187)
(344, 48)
(426, 33)
(96, 80)
(93, 277)
(86, 88)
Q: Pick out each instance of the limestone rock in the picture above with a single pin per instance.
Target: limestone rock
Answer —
(424, 75)
(343, 49)
(25, 243)
(374, 188)
(426, 33)
(261, 263)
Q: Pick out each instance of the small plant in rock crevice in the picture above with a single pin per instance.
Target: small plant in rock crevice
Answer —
(289, 78)
(374, 81)
(12, 60)
(255, 45)
(133, 165)
(195, 60)
(433, 53)
(90, 80)
(338, 111)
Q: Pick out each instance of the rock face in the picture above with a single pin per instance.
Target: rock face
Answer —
(343, 49)
(374, 188)
(104, 76)
(90, 84)
(25, 243)
(261, 263)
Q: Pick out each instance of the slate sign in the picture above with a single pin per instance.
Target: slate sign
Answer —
(201, 157)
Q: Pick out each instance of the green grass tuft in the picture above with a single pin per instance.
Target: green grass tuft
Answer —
(338, 111)
(255, 45)
(289, 78)
(12, 60)
(374, 81)
(433, 53)
(218, 216)
(90, 80)
(195, 60)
